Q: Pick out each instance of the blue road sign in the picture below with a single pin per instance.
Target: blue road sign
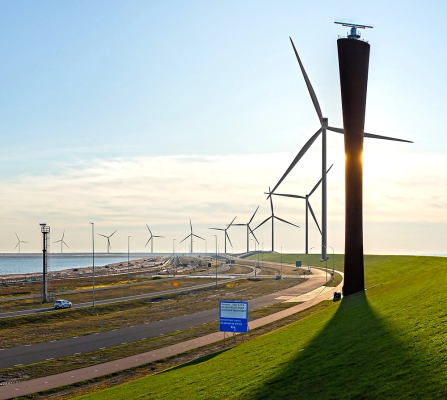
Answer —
(298, 263)
(233, 316)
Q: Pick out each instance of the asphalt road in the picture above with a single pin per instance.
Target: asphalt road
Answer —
(37, 352)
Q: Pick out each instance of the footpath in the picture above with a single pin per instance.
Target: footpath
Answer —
(67, 378)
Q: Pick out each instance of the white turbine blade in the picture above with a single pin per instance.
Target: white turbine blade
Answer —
(271, 201)
(296, 196)
(263, 222)
(112, 234)
(57, 241)
(198, 237)
(63, 234)
(217, 229)
(149, 229)
(190, 223)
(298, 157)
(226, 233)
(287, 222)
(100, 234)
(237, 225)
(251, 219)
(318, 183)
(16, 245)
(186, 238)
(22, 241)
(148, 241)
(17, 236)
(65, 244)
(315, 218)
(253, 234)
(313, 96)
(159, 236)
(231, 223)
(370, 135)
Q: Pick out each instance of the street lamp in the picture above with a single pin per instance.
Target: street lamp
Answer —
(173, 255)
(325, 248)
(333, 261)
(93, 257)
(216, 257)
(128, 247)
(310, 253)
(281, 261)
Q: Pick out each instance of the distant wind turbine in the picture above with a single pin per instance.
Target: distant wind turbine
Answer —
(226, 233)
(151, 239)
(62, 241)
(308, 207)
(272, 217)
(191, 235)
(18, 243)
(249, 230)
(108, 241)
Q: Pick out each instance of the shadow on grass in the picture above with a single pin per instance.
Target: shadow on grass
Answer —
(355, 356)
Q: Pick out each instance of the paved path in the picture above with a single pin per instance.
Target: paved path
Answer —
(66, 378)
(36, 352)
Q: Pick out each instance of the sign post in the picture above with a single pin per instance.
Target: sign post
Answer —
(233, 316)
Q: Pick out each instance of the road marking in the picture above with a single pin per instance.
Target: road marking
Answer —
(124, 343)
(52, 341)
(96, 333)
(76, 354)
(75, 337)
(101, 348)
(48, 359)
(46, 383)
(27, 345)
(72, 376)
(18, 365)
(144, 338)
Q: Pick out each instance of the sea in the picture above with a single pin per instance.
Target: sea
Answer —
(29, 263)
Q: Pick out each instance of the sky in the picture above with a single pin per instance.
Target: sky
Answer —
(127, 113)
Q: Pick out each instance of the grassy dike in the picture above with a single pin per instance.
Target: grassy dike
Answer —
(387, 342)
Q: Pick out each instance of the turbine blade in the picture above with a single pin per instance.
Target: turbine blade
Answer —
(17, 236)
(65, 244)
(289, 195)
(298, 157)
(100, 234)
(236, 225)
(149, 241)
(217, 229)
(112, 234)
(16, 246)
(318, 183)
(198, 237)
(271, 201)
(313, 96)
(63, 234)
(190, 223)
(158, 236)
(149, 229)
(226, 233)
(251, 219)
(231, 222)
(287, 222)
(57, 241)
(186, 238)
(263, 222)
(315, 218)
(253, 234)
(370, 135)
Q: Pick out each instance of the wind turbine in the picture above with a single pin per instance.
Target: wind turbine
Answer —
(18, 243)
(249, 230)
(191, 235)
(151, 239)
(308, 207)
(62, 241)
(272, 217)
(108, 240)
(226, 233)
(323, 127)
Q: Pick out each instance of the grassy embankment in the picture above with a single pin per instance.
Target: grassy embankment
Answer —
(387, 342)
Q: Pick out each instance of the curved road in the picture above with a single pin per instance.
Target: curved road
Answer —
(37, 352)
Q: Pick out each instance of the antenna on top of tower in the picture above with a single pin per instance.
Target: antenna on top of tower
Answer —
(353, 33)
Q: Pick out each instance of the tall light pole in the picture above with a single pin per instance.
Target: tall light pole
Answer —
(93, 257)
(45, 229)
(216, 257)
(173, 254)
(310, 253)
(128, 247)
(333, 261)
(281, 261)
(325, 250)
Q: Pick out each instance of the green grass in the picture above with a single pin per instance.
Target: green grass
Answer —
(387, 342)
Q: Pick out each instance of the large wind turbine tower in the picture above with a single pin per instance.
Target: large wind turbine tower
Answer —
(353, 61)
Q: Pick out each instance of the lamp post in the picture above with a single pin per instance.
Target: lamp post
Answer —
(325, 250)
(310, 253)
(128, 247)
(93, 260)
(281, 261)
(173, 255)
(216, 257)
(45, 229)
(333, 261)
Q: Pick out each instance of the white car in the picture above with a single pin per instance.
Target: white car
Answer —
(62, 304)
